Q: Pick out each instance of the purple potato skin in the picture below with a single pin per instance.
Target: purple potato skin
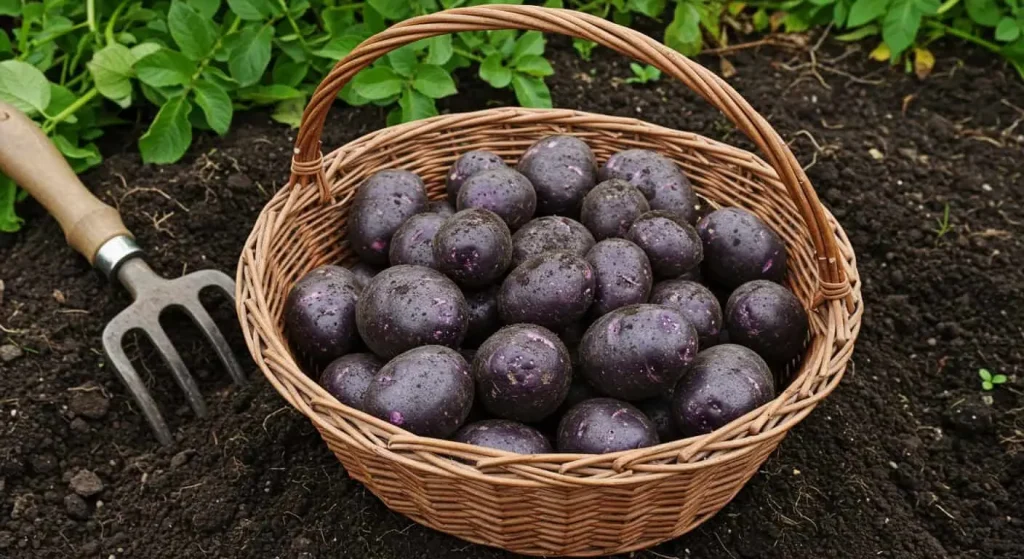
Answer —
(501, 434)
(637, 352)
(697, 303)
(413, 243)
(348, 377)
(739, 247)
(767, 318)
(659, 178)
(381, 205)
(553, 232)
(407, 306)
(467, 165)
(562, 170)
(427, 391)
(320, 315)
(672, 245)
(363, 273)
(724, 382)
(611, 207)
(484, 319)
(441, 207)
(522, 373)
(603, 425)
(622, 275)
(473, 247)
(552, 290)
(504, 191)
(659, 411)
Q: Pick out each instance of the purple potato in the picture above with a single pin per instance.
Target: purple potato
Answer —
(473, 247)
(408, 306)
(348, 377)
(697, 303)
(723, 383)
(658, 177)
(603, 425)
(504, 191)
(413, 243)
(622, 275)
(767, 318)
(522, 373)
(501, 434)
(739, 247)
(381, 205)
(659, 411)
(672, 245)
(441, 207)
(611, 207)
(467, 165)
(320, 315)
(363, 273)
(484, 319)
(552, 290)
(427, 391)
(548, 233)
(637, 352)
(562, 170)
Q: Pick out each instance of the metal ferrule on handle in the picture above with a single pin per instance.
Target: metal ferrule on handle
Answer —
(115, 252)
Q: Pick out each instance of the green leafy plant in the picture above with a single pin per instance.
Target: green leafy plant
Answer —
(943, 226)
(990, 381)
(643, 74)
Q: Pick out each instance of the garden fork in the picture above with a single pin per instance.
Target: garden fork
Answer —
(96, 231)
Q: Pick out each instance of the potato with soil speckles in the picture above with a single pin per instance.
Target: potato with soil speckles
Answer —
(552, 290)
(767, 318)
(522, 373)
(697, 303)
(622, 275)
(501, 434)
(637, 352)
(320, 315)
(348, 377)
(611, 207)
(658, 177)
(503, 191)
(723, 383)
(603, 425)
(408, 306)
(739, 247)
(413, 243)
(467, 165)
(427, 391)
(484, 319)
(672, 245)
(545, 234)
(381, 205)
(473, 247)
(562, 170)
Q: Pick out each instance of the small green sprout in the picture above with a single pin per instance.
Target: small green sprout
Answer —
(944, 226)
(989, 381)
(643, 74)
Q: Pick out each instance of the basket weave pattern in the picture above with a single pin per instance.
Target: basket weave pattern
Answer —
(558, 504)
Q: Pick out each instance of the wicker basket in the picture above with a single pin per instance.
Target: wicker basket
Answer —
(556, 504)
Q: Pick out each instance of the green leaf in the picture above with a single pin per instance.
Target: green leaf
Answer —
(535, 66)
(169, 136)
(9, 221)
(840, 13)
(999, 379)
(349, 95)
(264, 94)
(377, 83)
(984, 12)
(652, 73)
(439, 50)
(394, 117)
(165, 68)
(984, 374)
(293, 49)
(24, 86)
(90, 153)
(584, 48)
(866, 11)
(433, 81)
(760, 20)
(288, 72)
(900, 26)
(251, 10)
(60, 99)
(987, 385)
(553, 4)
(205, 8)
(111, 70)
(415, 106)
(649, 8)
(142, 50)
(217, 76)
(250, 54)
(194, 34)
(494, 72)
(395, 10)
(10, 8)
(683, 34)
(216, 105)
(1014, 52)
(529, 43)
(290, 111)
(339, 47)
(858, 34)
(1008, 30)
(403, 60)
(531, 92)
(5, 42)
(337, 20)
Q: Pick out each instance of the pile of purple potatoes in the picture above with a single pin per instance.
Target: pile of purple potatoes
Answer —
(554, 306)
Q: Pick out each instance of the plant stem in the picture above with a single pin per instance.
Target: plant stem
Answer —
(291, 21)
(109, 32)
(966, 36)
(51, 123)
(206, 61)
(90, 11)
(467, 54)
(51, 38)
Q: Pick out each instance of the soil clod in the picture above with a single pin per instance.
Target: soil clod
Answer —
(86, 483)
(10, 352)
(89, 403)
(76, 507)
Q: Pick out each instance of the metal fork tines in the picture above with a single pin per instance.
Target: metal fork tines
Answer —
(153, 295)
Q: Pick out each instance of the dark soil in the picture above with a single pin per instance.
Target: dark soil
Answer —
(908, 458)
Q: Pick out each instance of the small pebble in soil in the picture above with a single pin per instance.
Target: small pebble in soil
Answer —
(10, 352)
(86, 483)
(79, 425)
(89, 403)
(181, 458)
(76, 507)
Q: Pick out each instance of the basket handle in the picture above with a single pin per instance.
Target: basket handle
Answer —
(307, 161)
